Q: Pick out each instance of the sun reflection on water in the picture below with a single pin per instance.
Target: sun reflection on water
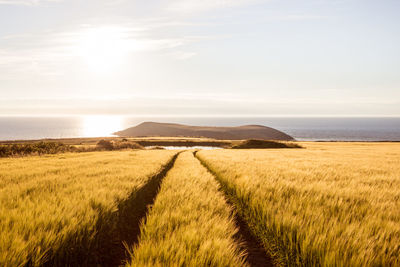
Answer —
(101, 126)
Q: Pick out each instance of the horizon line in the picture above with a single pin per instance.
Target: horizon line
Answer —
(197, 116)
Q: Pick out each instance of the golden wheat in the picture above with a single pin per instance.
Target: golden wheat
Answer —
(52, 205)
(190, 223)
(331, 204)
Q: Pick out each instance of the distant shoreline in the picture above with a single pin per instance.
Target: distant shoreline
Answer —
(302, 129)
(94, 140)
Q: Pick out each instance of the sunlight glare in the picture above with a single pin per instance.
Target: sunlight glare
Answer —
(104, 49)
(101, 126)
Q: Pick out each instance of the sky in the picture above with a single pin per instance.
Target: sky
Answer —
(200, 58)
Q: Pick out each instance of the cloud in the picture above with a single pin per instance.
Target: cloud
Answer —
(296, 17)
(190, 6)
(25, 2)
(43, 53)
(217, 105)
(182, 55)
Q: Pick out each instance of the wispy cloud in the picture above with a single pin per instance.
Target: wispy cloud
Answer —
(44, 52)
(183, 55)
(25, 2)
(299, 17)
(189, 6)
(221, 105)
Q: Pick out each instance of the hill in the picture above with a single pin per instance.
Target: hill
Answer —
(222, 133)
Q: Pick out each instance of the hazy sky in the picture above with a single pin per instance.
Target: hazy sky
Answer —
(193, 57)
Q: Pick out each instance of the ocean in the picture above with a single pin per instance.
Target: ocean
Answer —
(301, 128)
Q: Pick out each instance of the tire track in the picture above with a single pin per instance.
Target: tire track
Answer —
(134, 211)
(256, 254)
(113, 229)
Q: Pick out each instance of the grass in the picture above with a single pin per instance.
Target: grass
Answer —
(54, 146)
(117, 145)
(62, 209)
(144, 141)
(260, 144)
(42, 148)
(190, 223)
(38, 148)
(332, 204)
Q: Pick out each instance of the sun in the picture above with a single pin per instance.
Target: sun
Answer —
(104, 49)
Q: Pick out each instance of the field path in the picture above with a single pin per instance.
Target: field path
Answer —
(132, 212)
(193, 224)
(72, 209)
(190, 223)
(256, 254)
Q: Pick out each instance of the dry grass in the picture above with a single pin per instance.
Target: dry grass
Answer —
(92, 141)
(53, 207)
(332, 204)
(39, 148)
(260, 144)
(117, 145)
(190, 223)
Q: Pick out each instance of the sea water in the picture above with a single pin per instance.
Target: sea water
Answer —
(306, 128)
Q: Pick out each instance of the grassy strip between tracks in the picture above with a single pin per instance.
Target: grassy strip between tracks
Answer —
(190, 223)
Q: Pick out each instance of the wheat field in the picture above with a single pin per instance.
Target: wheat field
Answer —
(51, 206)
(190, 223)
(327, 204)
(331, 204)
